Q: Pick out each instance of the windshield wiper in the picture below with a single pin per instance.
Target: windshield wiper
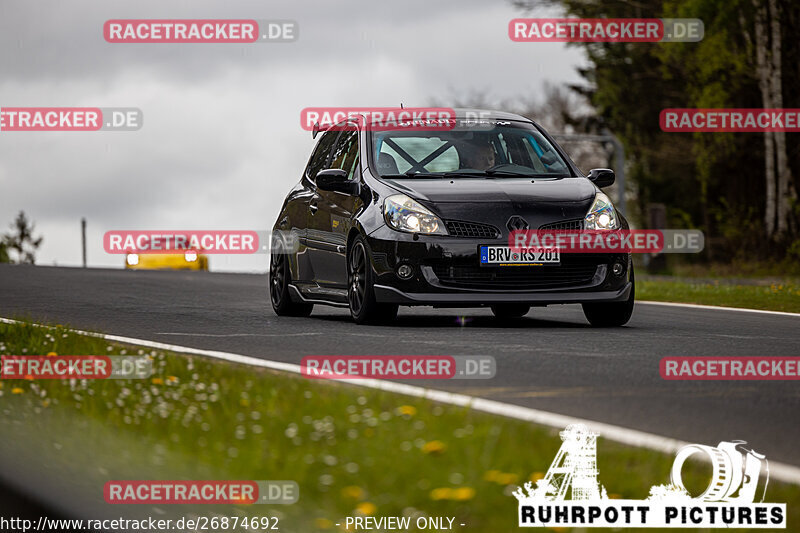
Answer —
(473, 173)
(415, 175)
(524, 174)
(469, 173)
(412, 173)
(502, 169)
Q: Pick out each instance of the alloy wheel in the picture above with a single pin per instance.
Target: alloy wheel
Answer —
(357, 278)
(277, 276)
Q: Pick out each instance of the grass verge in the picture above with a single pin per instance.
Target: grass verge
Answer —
(352, 451)
(783, 296)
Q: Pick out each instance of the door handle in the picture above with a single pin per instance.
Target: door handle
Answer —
(313, 207)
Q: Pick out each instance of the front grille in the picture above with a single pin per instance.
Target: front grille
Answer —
(471, 229)
(567, 224)
(515, 277)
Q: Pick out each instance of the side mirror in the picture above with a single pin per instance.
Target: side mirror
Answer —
(602, 177)
(334, 179)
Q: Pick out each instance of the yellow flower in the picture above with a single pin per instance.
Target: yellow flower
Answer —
(29, 377)
(51, 354)
(463, 493)
(408, 410)
(536, 476)
(17, 390)
(434, 447)
(353, 492)
(172, 379)
(323, 523)
(157, 381)
(442, 493)
(366, 508)
(491, 475)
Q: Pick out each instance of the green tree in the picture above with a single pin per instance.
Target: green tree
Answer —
(4, 252)
(22, 241)
(737, 187)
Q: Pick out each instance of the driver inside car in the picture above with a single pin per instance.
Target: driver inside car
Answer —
(479, 156)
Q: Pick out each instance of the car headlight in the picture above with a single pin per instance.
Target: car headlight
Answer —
(404, 214)
(132, 259)
(601, 215)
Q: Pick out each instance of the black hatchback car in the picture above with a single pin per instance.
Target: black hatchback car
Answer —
(389, 217)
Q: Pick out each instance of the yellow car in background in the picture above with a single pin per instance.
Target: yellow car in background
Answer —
(190, 260)
(187, 261)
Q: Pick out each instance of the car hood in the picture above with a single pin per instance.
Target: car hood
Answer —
(493, 201)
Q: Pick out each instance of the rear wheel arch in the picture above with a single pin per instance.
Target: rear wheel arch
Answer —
(279, 280)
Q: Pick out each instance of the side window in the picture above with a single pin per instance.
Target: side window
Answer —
(321, 157)
(345, 155)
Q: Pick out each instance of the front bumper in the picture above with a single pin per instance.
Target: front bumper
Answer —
(446, 272)
(459, 299)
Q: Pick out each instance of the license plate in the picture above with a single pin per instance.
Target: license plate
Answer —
(507, 256)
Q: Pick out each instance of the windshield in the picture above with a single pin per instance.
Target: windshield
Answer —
(488, 149)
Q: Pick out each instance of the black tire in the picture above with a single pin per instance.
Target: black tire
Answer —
(360, 288)
(279, 278)
(510, 310)
(609, 315)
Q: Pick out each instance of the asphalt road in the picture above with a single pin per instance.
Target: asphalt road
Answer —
(550, 360)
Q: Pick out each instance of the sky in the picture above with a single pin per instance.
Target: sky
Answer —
(221, 142)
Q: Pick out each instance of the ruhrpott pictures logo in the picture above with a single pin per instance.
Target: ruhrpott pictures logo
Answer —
(740, 476)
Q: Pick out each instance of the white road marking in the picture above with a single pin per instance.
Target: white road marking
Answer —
(236, 334)
(631, 437)
(718, 308)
